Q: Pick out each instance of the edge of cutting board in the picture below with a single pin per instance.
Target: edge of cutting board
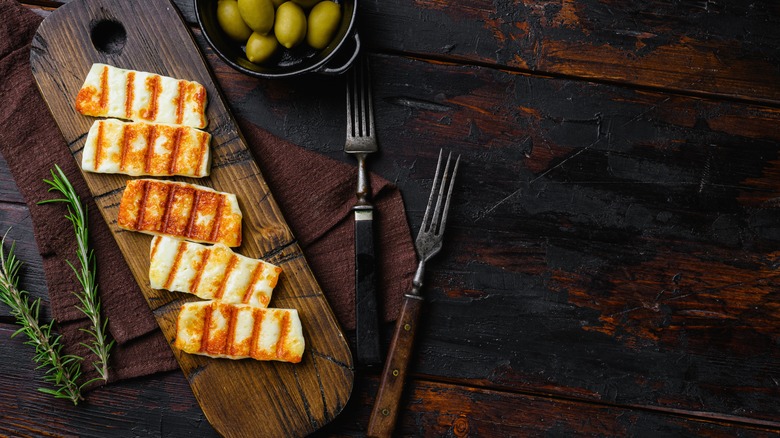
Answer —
(239, 398)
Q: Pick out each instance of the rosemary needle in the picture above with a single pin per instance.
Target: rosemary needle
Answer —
(63, 370)
(88, 296)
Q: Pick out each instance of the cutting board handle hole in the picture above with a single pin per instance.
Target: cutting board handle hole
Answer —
(108, 36)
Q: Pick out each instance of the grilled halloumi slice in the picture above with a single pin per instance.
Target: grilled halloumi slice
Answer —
(238, 331)
(143, 148)
(211, 272)
(183, 210)
(135, 95)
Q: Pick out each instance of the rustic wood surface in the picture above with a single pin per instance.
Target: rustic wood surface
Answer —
(304, 396)
(610, 263)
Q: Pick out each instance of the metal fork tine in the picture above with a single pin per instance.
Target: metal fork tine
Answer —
(350, 106)
(369, 96)
(440, 197)
(360, 112)
(355, 104)
(360, 88)
(446, 210)
(354, 107)
(427, 216)
(366, 110)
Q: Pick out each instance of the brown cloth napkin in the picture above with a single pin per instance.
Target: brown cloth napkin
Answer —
(317, 208)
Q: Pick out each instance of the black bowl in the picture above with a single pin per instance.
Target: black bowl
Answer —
(334, 59)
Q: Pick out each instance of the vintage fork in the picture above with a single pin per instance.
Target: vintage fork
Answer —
(361, 141)
(428, 244)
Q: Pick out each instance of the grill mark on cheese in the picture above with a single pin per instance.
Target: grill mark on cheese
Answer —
(153, 85)
(176, 262)
(151, 138)
(104, 89)
(257, 316)
(170, 192)
(155, 245)
(200, 98)
(283, 333)
(231, 329)
(204, 259)
(228, 270)
(168, 208)
(99, 145)
(175, 150)
(180, 102)
(193, 214)
(129, 94)
(255, 278)
(217, 219)
(204, 341)
(142, 205)
(125, 146)
(203, 145)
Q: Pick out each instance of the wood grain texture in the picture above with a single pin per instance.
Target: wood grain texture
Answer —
(294, 399)
(620, 241)
(456, 409)
(17, 228)
(720, 48)
(577, 205)
(9, 192)
(163, 406)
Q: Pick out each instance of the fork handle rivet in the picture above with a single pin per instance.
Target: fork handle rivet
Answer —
(395, 373)
(385, 412)
(407, 327)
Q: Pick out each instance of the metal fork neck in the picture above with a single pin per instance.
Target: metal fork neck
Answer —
(417, 281)
(363, 192)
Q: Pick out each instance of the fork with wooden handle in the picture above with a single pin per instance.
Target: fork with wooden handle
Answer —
(428, 243)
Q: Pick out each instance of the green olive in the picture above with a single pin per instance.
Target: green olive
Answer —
(257, 14)
(306, 4)
(260, 47)
(290, 25)
(277, 3)
(230, 20)
(324, 19)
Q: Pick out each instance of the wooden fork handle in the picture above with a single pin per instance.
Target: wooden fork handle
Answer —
(385, 410)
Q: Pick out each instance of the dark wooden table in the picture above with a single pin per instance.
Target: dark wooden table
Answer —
(610, 266)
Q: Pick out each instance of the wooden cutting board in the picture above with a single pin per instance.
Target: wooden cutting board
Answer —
(240, 398)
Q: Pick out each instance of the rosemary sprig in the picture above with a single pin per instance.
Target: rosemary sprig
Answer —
(89, 298)
(63, 370)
